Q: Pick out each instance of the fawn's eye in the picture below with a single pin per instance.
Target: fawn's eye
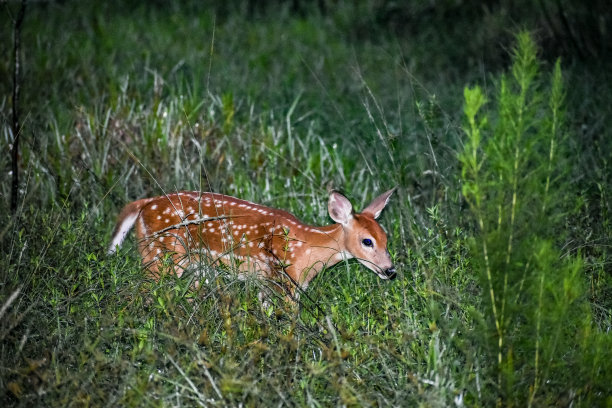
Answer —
(367, 242)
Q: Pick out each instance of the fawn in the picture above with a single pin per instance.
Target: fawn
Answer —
(190, 227)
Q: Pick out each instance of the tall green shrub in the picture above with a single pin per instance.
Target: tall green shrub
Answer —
(538, 335)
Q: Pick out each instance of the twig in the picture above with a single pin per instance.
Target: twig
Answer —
(15, 125)
(197, 221)
(10, 300)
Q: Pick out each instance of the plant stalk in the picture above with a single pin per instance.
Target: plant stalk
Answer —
(17, 23)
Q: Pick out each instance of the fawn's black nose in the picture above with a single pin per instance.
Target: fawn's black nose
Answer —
(390, 273)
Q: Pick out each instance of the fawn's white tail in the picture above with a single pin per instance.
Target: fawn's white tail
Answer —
(126, 221)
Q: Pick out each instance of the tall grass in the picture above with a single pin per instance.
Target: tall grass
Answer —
(275, 108)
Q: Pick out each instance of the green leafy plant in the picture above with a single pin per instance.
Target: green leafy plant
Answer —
(514, 167)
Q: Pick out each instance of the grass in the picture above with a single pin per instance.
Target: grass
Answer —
(275, 107)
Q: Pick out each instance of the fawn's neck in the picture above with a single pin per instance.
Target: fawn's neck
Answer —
(324, 249)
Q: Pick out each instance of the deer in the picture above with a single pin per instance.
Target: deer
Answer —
(185, 228)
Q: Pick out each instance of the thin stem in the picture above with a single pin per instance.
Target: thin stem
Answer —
(534, 388)
(15, 114)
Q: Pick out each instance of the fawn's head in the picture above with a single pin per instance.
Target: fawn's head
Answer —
(364, 238)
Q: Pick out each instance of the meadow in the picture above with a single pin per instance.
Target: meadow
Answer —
(493, 120)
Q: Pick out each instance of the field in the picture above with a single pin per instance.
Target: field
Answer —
(492, 118)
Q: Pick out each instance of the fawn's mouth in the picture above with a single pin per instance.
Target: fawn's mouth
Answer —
(390, 273)
(387, 274)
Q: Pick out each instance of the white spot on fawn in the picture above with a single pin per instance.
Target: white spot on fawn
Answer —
(154, 207)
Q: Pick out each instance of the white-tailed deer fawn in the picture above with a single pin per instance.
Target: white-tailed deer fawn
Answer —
(190, 227)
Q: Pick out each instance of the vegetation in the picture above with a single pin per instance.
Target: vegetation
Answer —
(500, 228)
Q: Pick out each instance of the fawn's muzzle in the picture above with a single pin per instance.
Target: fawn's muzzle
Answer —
(390, 273)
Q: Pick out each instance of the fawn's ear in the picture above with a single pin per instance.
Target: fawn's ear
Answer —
(378, 204)
(340, 208)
